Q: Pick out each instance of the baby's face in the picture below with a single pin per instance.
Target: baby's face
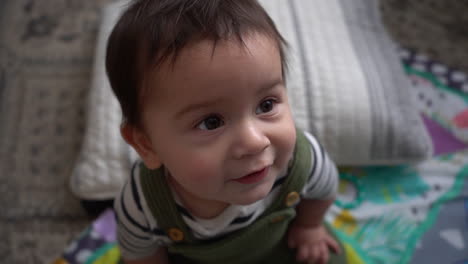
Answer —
(219, 120)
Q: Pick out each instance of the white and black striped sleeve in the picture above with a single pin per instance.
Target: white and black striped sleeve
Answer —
(323, 177)
(134, 235)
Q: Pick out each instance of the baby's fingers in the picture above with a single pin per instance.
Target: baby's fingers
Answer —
(302, 253)
(319, 254)
(333, 245)
(324, 256)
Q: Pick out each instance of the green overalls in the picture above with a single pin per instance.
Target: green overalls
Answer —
(264, 241)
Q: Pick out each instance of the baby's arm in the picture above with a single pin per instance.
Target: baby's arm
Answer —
(160, 257)
(138, 240)
(307, 233)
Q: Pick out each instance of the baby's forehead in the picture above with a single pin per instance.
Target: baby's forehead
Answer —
(209, 50)
(208, 63)
(232, 47)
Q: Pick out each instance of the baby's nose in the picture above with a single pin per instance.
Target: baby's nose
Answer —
(251, 141)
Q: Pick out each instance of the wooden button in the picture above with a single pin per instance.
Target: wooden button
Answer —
(292, 198)
(175, 234)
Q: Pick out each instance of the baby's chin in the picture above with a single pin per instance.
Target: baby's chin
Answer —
(255, 195)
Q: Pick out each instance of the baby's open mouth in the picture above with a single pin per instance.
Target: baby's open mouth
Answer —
(253, 177)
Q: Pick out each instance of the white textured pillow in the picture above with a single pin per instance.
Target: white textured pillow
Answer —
(105, 159)
(345, 82)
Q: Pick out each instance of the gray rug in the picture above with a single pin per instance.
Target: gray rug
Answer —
(434, 27)
(46, 55)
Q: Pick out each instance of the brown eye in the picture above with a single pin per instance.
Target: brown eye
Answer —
(211, 123)
(265, 106)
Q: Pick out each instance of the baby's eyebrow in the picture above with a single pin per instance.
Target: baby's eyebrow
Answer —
(209, 103)
(270, 85)
(196, 106)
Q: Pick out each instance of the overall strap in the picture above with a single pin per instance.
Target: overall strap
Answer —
(298, 174)
(162, 204)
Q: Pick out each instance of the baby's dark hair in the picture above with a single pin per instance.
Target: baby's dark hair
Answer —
(150, 32)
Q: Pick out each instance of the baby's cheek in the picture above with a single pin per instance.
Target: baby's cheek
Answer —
(286, 139)
(201, 169)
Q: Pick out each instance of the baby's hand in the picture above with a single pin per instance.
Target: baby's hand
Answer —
(312, 243)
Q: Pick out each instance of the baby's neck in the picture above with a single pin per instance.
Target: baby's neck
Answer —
(200, 208)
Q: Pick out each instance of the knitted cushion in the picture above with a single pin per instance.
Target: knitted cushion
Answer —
(346, 82)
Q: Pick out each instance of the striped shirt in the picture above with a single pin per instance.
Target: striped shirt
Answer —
(138, 232)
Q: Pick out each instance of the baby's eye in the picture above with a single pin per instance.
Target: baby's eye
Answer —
(210, 123)
(265, 106)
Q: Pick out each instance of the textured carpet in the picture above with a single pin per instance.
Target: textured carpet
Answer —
(46, 55)
(436, 28)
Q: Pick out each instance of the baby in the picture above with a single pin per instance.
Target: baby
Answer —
(225, 176)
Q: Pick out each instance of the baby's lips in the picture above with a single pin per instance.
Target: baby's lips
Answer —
(461, 119)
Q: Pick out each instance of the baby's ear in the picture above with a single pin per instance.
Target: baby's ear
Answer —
(138, 139)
